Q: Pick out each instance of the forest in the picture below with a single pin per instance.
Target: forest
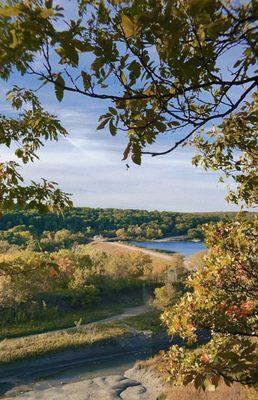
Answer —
(78, 224)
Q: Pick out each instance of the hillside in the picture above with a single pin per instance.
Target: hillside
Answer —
(112, 222)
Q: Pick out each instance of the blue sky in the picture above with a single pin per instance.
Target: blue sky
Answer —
(88, 164)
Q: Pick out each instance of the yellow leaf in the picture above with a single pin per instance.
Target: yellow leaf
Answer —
(9, 11)
(47, 12)
(123, 78)
(131, 132)
(148, 92)
(15, 41)
(130, 28)
(172, 90)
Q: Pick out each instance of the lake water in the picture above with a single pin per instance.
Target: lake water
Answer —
(184, 247)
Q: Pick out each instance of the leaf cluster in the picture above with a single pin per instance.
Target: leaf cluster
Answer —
(222, 300)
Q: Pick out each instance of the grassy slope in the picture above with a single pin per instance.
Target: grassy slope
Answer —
(12, 349)
(147, 321)
(63, 321)
(52, 342)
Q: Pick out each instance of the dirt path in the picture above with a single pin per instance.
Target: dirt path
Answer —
(151, 253)
(128, 312)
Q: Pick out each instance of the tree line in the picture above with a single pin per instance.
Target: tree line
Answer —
(110, 222)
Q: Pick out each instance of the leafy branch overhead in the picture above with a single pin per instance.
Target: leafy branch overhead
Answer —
(158, 63)
(27, 133)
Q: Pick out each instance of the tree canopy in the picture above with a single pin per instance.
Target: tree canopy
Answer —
(111, 222)
(166, 67)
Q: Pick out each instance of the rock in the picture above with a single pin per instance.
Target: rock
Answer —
(149, 379)
(114, 387)
(135, 392)
(138, 383)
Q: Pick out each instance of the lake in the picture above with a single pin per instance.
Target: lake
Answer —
(184, 247)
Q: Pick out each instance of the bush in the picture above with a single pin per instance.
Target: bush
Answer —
(166, 296)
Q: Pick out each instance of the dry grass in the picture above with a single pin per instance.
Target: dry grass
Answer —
(73, 338)
(37, 345)
(223, 392)
(60, 321)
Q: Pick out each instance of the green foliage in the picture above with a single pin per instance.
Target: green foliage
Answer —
(165, 296)
(21, 237)
(32, 126)
(196, 233)
(232, 148)
(169, 294)
(87, 222)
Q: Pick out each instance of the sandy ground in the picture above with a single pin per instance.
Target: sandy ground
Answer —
(151, 253)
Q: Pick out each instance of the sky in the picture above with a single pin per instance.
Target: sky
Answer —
(88, 164)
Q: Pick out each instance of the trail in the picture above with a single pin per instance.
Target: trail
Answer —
(128, 312)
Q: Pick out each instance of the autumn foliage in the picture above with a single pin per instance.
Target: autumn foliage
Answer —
(222, 301)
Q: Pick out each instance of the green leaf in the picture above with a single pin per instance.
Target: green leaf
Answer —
(15, 41)
(209, 385)
(112, 128)
(135, 71)
(19, 153)
(112, 110)
(136, 153)
(198, 6)
(59, 87)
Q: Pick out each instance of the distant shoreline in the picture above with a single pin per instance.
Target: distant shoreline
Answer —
(162, 240)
